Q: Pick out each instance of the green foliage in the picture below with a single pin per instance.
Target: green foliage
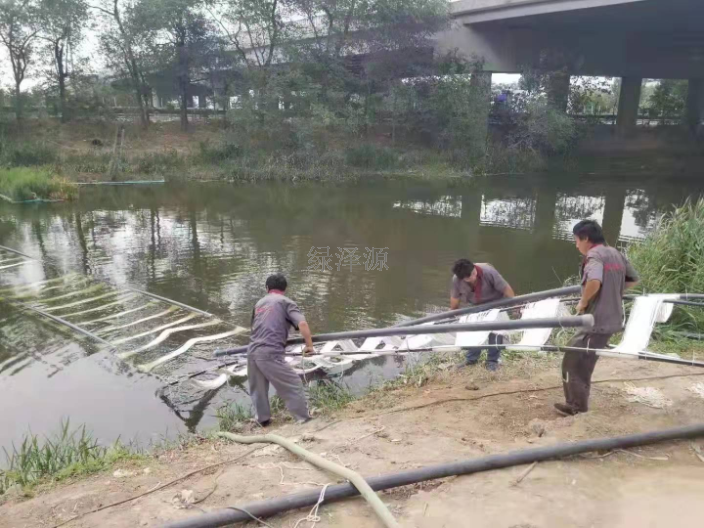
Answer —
(592, 95)
(223, 151)
(232, 416)
(26, 153)
(65, 454)
(668, 99)
(671, 260)
(420, 373)
(371, 157)
(32, 183)
(542, 129)
(162, 163)
(327, 395)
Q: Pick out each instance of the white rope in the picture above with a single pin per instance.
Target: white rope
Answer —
(313, 516)
(157, 329)
(88, 289)
(82, 301)
(118, 302)
(115, 316)
(138, 321)
(165, 335)
(150, 366)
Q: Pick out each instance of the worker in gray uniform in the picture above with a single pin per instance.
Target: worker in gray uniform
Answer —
(478, 284)
(272, 317)
(605, 275)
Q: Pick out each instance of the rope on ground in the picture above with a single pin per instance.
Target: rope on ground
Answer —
(252, 516)
(355, 478)
(519, 391)
(158, 488)
(313, 516)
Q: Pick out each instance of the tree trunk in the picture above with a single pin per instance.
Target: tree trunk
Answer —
(59, 57)
(143, 114)
(183, 82)
(18, 102)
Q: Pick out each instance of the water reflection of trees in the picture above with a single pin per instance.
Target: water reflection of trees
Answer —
(569, 207)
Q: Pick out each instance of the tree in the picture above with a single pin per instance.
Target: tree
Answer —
(62, 23)
(17, 33)
(126, 45)
(668, 99)
(183, 36)
(254, 27)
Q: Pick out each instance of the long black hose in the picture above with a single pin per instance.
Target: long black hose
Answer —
(270, 507)
(584, 321)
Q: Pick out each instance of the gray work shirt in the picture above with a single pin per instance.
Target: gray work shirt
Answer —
(490, 286)
(612, 270)
(272, 318)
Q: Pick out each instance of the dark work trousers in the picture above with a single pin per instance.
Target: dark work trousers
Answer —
(492, 352)
(577, 369)
(287, 383)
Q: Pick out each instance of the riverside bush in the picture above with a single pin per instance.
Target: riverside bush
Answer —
(671, 260)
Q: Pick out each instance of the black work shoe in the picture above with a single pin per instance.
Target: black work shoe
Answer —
(492, 366)
(265, 423)
(565, 410)
(470, 363)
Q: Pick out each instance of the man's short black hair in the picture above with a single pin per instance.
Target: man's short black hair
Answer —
(589, 229)
(276, 282)
(463, 268)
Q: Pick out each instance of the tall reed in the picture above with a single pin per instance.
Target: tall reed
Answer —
(671, 260)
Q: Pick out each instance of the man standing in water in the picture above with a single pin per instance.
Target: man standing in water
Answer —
(605, 275)
(477, 284)
(272, 317)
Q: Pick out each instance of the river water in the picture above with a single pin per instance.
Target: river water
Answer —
(212, 245)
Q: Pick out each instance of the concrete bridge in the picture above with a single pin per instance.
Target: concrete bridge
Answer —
(631, 39)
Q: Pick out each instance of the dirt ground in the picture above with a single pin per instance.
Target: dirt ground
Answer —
(461, 415)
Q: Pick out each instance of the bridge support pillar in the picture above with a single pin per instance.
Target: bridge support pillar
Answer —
(695, 104)
(628, 103)
(558, 89)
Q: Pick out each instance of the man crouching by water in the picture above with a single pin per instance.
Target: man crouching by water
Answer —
(605, 275)
(478, 284)
(272, 317)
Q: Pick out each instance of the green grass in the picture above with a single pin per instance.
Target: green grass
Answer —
(232, 416)
(24, 183)
(671, 260)
(25, 153)
(65, 454)
(327, 396)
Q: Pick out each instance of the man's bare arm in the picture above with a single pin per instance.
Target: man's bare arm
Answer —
(590, 290)
(454, 303)
(508, 292)
(631, 284)
(305, 332)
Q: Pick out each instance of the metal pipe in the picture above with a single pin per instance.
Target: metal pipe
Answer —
(585, 321)
(500, 303)
(270, 507)
(18, 252)
(685, 303)
(66, 323)
(171, 301)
